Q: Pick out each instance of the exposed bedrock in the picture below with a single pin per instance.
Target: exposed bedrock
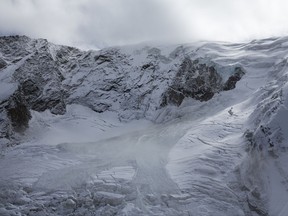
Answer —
(199, 81)
(14, 115)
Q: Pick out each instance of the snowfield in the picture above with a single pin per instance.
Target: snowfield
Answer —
(222, 156)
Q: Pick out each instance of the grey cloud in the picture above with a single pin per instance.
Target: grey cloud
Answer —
(88, 22)
(99, 23)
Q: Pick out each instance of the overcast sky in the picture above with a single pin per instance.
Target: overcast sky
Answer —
(100, 23)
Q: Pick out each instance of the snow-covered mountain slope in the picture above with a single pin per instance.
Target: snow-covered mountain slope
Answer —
(139, 130)
(134, 82)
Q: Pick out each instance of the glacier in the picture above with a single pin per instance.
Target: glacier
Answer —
(191, 129)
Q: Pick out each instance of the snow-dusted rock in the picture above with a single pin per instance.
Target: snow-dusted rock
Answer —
(199, 81)
(14, 115)
(107, 198)
(69, 203)
(134, 82)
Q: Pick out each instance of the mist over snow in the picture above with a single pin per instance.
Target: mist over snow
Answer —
(149, 117)
(97, 23)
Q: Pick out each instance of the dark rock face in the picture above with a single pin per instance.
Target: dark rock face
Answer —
(18, 111)
(194, 80)
(14, 116)
(100, 59)
(231, 82)
(6, 129)
(2, 64)
(199, 81)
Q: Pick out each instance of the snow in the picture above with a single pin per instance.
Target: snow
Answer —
(193, 160)
(6, 90)
(53, 49)
(50, 129)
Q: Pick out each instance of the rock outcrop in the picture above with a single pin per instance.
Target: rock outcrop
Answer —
(233, 79)
(14, 115)
(18, 111)
(195, 80)
(135, 82)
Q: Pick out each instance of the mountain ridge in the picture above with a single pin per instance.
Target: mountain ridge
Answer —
(133, 83)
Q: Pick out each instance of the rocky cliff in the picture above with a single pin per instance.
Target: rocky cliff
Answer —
(135, 82)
